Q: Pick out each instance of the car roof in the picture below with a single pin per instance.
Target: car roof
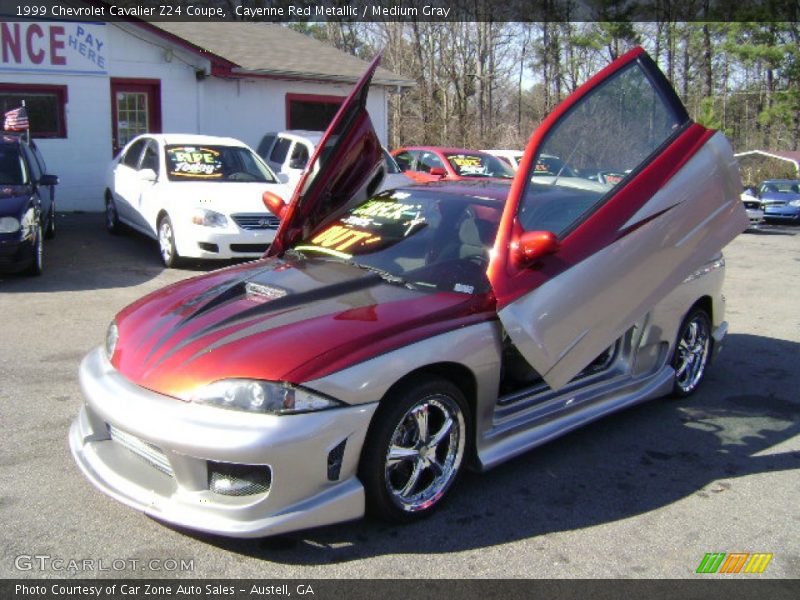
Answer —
(767, 181)
(443, 149)
(9, 137)
(193, 138)
(504, 152)
(484, 189)
(303, 134)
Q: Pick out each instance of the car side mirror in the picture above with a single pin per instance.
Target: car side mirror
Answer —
(533, 245)
(438, 172)
(48, 180)
(274, 203)
(148, 175)
(282, 177)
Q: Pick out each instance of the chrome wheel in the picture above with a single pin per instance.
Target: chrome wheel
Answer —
(425, 453)
(166, 242)
(692, 352)
(414, 449)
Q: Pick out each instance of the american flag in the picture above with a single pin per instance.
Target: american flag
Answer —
(16, 120)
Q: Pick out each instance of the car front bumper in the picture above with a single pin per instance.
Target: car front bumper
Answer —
(163, 463)
(756, 215)
(206, 242)
(782, 213)
(15, 253)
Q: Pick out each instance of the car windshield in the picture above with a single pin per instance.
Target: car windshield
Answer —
(215, 163)
(594, 149)
(479, 165)
(551, 166)
(391, 164)
(414, 237)
(780, 187)
(12, 169)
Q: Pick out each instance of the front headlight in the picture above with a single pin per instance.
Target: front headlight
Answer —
(261, 396)
(112, 335)
(795, 203)
(209, 218)
(9, 225)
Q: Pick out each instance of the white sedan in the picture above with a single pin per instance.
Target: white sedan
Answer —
(199, 196)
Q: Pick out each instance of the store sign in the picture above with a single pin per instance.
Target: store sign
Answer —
(54, 47)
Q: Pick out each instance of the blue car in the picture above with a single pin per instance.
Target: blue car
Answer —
(781, 199)
(27, 205)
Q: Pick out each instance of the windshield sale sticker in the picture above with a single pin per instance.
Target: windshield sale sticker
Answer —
(375, 221)
(468, 165)
(341, 238)
(389, 211)
(466, 161)
(194, 162)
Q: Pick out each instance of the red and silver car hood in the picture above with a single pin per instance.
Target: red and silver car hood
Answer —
(277, 320)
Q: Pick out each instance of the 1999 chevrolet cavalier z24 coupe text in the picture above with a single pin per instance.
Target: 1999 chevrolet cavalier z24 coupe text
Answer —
(388, 340)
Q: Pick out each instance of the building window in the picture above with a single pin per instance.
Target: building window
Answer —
(43, 103)
(310, 111)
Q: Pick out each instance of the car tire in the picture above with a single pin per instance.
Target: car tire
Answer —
(692, 353)
(166, 243)
(414, 449)
(50, 232)
(37, 265)
(113, 226)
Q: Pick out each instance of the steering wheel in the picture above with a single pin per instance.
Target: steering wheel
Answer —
(470, 271)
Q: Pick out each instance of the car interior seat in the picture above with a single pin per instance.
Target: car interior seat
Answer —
(474, 239)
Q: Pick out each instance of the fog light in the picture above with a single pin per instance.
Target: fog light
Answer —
(208, 247)
(238, 480)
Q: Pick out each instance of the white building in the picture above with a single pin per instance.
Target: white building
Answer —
(90, 87)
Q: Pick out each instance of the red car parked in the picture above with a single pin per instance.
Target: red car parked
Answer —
(433, 163)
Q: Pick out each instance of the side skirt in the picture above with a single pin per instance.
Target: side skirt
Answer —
(528, 420)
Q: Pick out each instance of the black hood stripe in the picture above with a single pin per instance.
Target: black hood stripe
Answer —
(292, 301)
(260, 317)
(220, 294)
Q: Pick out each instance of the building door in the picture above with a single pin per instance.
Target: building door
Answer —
(135, 109)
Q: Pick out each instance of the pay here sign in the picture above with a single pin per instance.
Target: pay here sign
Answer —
(54, 47)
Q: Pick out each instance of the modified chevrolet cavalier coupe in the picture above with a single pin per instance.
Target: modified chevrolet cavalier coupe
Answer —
(388, 340)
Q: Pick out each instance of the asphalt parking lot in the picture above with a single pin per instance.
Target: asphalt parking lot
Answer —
(644, 493)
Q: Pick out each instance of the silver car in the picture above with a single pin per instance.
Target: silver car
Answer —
(753, 207)
(289, 153)
(388, 340)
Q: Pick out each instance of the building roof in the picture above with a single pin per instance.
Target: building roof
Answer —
(787, 155)
(272, 50)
